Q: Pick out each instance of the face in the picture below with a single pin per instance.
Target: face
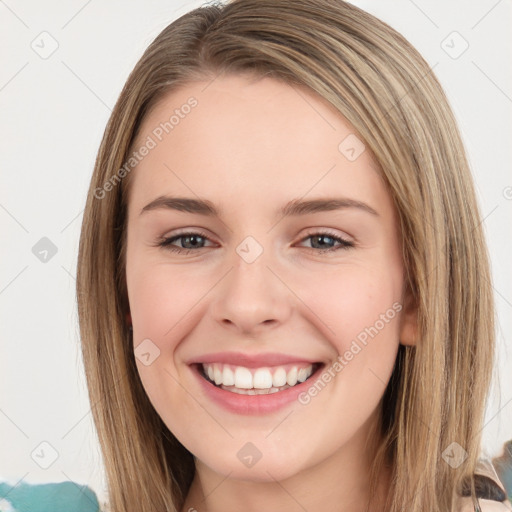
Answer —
(252, 288)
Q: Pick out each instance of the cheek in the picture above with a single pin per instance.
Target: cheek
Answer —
(166, 304)
(358, 311)
(350, 301)
(161, 299)
(162, 309)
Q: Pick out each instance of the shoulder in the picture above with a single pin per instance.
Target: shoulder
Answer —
(51, 497)
(466, 505)
(492, 496)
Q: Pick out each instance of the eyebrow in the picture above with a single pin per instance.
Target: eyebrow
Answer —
(295, 207)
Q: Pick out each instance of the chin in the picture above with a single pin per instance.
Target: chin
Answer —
(269, 467)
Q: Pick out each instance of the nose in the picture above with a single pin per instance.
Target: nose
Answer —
(251, 297)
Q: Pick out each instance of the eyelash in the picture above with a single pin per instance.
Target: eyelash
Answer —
(166, 243)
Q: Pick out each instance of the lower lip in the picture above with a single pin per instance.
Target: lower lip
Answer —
(253, 404)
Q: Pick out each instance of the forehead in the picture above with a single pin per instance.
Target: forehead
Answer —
(250, 142)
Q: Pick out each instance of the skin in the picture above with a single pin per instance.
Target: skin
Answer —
(250, 146)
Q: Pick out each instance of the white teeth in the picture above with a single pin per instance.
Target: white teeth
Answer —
(268, 380)
(228, 378)
(217, 375)
(243, 378)
(291, 378)
(279, 378)
(262, 379)
(302, 375)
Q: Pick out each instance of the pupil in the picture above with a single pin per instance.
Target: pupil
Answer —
(322, 237)
(191, 237)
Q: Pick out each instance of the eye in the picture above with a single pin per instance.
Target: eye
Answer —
(190, 241)
(195, 240)
(327, 237)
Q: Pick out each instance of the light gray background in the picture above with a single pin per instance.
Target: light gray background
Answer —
(53, 113)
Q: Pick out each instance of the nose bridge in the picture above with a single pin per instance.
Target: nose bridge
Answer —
(251, 295)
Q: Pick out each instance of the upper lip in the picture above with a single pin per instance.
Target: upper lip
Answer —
(250, 360)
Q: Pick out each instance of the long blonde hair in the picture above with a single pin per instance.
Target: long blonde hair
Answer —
(384, 88)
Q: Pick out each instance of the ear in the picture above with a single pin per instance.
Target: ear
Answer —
(128, 319)
(409, 320)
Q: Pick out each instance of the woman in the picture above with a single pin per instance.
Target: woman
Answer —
(255, 371)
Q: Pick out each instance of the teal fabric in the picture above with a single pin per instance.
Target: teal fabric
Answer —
(503, 467)
(58, 497)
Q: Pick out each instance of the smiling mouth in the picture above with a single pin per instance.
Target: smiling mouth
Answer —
(261, 381)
